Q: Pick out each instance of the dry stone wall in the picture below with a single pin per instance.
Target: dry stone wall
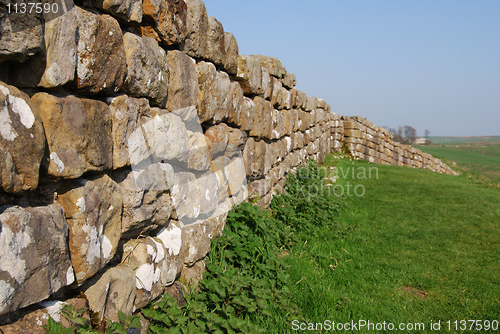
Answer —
(128, 130)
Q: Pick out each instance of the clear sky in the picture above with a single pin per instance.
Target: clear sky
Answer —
(431, 64)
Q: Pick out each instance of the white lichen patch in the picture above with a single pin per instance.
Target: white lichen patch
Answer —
(59, 164)
(53, 308)
(11, 246)
(144, 277)
(160, 252)
(6, 293)
(172, 239)
(92, 249)
(106, 247)
(6, 129)
(20, 107)
(70, 276)
(4, 90)
(80, 203)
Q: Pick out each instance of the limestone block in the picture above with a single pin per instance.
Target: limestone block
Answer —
(250, 75)
(216, 47)
(183, 89)
(215, 91)
(200, 157)
(286, 99)
(125, 113)
(34, 256)
(241, 110)
(310, 103)
(147, 69)
(275, 97)
(146, 202)
(237, 138)
(230, 54)
(61, 50)
(289, 119)
(21, 36)
(196, 241)
(22, 141)
(293, 97)
(172, 237)
(114, 291)
(124, 10)
(289, 80)
(218, 167)
(279, 124)
(192, 275)
(195, 44)
(100, 55)
(237, 178)
(219, 137)
(257, 188)
(93, 210)
(253, 157)
(147, 258)
(266, 84)
(262, 123)
(301, 100)
(273, 65)
(79, 134)
(169, 17)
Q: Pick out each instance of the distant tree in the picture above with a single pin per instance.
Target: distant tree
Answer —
(426, 134)
(410, 134)
(397, 133)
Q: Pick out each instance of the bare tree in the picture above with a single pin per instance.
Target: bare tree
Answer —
(410, 134)
(426, 134)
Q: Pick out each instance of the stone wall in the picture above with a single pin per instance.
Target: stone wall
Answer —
(128, 130)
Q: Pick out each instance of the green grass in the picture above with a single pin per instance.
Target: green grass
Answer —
(463, 140)
(481, 158)
(423, 246)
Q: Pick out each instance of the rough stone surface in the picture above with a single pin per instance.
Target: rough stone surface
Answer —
(125, 112)
(100, 53)
(61, 50)
(197, 242)
(79, 134)
(22, 141)
(219, 136)
(114, 291)
(147, 71)
(183, 89)
(124, 10)
(93, 211)
(242, 109)
(230, 54)
(215, 88)
(170, 18)
(253, 157)
(146, 202)
(216, 47)
(262, 124)
(273, 65)
(34, 256)
(151, 268)
(195, 44)
(199, 152)
(21, 36)
(192, 275)
(250, 75)
(172, 237)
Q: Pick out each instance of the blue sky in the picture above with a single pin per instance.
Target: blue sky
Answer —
(430, 64)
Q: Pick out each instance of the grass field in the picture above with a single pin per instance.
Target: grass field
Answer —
(422, 247)
(463, 140)
(481, 158)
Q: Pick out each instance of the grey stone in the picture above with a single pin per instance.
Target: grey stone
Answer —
(125, 10)
(183, 89)
(216, 48)
(195, 43)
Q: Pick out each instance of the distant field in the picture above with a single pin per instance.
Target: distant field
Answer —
(464, 140)
(470, 154)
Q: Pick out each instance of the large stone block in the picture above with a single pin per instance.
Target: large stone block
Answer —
(262, 124)
(79, 134)
(22, 141)
(199, 149)
(146, 201)
(273, 65)
(195, 44)
(147, 74)
(114, 291)
(279, 124)
(21, 35)
(126, 113)
(215, 91)
(196, 241)
(100, 55)
(183, 89)
(242, 109)
(250, 75)
(93, 210)
(172, 237)
(170, 19)
(253, 157)
(148, 259)
(216, 47)
(219, 137)
(124, 10)
(34, 256)
(231, 54)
